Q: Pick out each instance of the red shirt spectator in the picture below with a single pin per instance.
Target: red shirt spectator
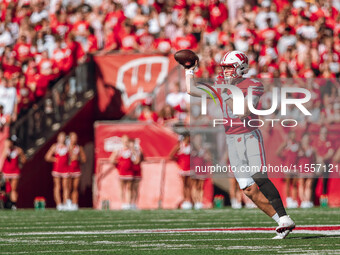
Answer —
(25, 96)
(281, 4)
(59, 56)
(180, 4)
(47, 67)
(77, 51)
(110, 41)
(218, 13)
(145, 40)
(148, 115)
(223, 38)
(163, 45)
(92, 43)
(32, 76)
(61, 26)
(322, 146)
(22, 50)
(81, 27)
(128, 40)
(269, 33)
(114, 18)
(185, 42)
(68, 60)
(10, 65)
(41, 85)
(288, 151)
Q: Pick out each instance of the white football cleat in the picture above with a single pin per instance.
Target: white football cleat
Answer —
(281, 235)
(285, 223)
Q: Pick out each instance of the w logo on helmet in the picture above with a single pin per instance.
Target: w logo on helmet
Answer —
(242, 57)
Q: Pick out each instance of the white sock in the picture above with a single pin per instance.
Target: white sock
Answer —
(276, 218)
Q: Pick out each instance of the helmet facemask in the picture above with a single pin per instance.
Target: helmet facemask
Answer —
(230, 73)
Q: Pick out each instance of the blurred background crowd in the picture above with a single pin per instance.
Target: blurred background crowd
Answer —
(42, 40)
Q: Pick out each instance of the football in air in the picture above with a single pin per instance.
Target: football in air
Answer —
(186, 58)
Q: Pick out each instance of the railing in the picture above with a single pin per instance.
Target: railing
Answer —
(60, 103)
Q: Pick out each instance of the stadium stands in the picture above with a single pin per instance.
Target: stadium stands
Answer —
(42, 40)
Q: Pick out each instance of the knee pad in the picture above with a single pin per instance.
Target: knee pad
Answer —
(245, 182)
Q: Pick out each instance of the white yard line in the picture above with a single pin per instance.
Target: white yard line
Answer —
(181, 231)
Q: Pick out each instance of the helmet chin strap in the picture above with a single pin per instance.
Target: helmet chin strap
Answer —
(228, 80)
(231, 80)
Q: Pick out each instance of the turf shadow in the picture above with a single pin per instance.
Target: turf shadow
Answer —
(313, 237)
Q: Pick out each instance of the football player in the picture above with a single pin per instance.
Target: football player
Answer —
(245, 143)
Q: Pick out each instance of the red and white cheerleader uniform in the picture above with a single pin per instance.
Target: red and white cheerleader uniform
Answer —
(11, 168)
(200, 165)
(137, 169)
(183, 160)
(291, 156)
(124, 164)
(60, 166)
(74, 167)
(305, 160)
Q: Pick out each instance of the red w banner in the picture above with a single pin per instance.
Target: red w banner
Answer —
(123, 79)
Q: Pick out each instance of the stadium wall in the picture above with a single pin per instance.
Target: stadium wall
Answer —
(36, 179)
(161, 185)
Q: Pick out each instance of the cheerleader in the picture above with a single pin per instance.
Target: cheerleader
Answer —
(76, 157)
(288, 152)
(11, 156)
(306, 158)
(58, 155)
(137, 171)
(202, 158)
(181, 153)
(122, 159)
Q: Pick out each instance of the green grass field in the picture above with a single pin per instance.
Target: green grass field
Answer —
(166, 232)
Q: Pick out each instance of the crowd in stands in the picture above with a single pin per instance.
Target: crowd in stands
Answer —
(41, 40)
